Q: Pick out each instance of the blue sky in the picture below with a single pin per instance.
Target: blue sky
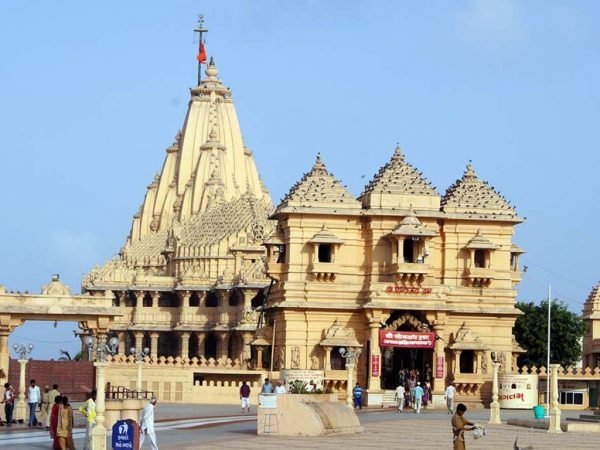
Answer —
(92, 94)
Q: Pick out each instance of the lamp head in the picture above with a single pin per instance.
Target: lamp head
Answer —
(89, 341)
(114, 341)
(132, 350)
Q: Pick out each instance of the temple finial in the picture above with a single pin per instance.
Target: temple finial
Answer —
(201, 50)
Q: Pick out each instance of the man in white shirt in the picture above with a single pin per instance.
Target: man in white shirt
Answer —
(400, 391)
(34, 398)
(450, 392)
(147, 424)
(279, 389)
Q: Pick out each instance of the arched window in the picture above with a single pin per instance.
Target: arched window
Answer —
(168, 344)
(258, 299)
(466, 361)
(194, 299)
(168, 300)
(147, 301)
(131, 299)
(210, 346)
(479, 258)
(235, 297)
(193, 351)
(212, 299)
(338, 362)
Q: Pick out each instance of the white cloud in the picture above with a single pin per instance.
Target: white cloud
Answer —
(492, 22)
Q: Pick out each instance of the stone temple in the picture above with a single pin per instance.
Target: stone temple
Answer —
(221, 287)
(190, 276)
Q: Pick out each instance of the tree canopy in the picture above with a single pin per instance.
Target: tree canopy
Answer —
(567, 330)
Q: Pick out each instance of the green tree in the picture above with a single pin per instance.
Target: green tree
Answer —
(531, 330)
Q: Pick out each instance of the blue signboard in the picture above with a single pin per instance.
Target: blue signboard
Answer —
(125, 435)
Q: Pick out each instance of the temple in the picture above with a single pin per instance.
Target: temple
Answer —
(221, 287)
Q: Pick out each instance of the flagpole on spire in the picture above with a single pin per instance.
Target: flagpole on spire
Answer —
(201, 52)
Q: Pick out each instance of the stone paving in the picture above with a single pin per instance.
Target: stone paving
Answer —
(407, 432)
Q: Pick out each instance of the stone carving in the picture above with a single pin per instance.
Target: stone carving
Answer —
(465, 334)
(314, 361)
(470, 195)
(295, 363)
(280, 361)
(484, 363)
(408, 317)
(56, 287)
(502, 361)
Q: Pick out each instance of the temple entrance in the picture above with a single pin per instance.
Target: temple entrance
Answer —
(408, 353)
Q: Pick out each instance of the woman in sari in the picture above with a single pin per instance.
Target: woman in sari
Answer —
(54, 421)
(64, 429)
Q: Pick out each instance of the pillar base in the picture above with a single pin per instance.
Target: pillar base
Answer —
(554, 421)
(438, 401)
(99, 437)
(21, 410)
(374, 398)
(495, 414)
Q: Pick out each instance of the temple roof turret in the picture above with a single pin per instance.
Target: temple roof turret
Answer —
(207, 199)
(474, 198)
(398, 185)
(591, 307)
(319, 190)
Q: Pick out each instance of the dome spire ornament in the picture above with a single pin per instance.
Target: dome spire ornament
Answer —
(201, 50)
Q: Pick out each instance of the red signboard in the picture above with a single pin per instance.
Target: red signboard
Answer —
(406, 339)
(375, 365)
(439, 368)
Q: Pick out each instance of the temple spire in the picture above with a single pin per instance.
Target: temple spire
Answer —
(201, 51)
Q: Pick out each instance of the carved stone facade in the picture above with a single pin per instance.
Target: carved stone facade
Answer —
(190, 277)
(400, 257)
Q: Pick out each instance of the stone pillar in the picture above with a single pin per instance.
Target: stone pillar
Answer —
(495, 406)
(477, 361)
(4, 352)
(185, 299)
(21, 407)
(201, 341)
(99, 430)
(439, 387)
(350, 383)
(155, 297)
(139, 337)
(457, 362)
(259, 354)
(223, 345)
(328, 358)
(121, 336)
(515, 367)
(185, 344)
(154, 345)
(375, 352)
(247, 350)
(554, 406)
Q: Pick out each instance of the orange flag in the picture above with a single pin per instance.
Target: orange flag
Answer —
(202, 54)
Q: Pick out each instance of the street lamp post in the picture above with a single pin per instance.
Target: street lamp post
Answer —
(495, 406)
(351, 354)
(102, 350)
(139, 356)
(22, 350)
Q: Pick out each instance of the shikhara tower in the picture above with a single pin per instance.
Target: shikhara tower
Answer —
(191, 268)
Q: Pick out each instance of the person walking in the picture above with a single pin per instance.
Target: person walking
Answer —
(267, 387)
(400, 391)
(88, 409)
(450, 393)
(357, 393)
(45, 405)
(418, 395)
(147, 424)
(9, 403)
(34, 398)
(245, 396)
(459, 425)
(54, 412)
(54, 392)
(64, 427)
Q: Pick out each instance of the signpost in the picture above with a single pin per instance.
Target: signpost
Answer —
(125, 435)
(517, 391)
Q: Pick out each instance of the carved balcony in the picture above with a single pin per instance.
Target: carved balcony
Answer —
(409, 272)
(323, 271)
(479, 276)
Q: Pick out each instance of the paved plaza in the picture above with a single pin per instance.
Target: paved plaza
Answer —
(188, 427)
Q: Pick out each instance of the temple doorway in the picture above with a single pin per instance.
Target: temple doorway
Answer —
(402, 359)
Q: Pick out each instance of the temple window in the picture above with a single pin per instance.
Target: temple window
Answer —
(408, 250)
(212, 299)
(235, 297)
(467, 361)
(515, 253)
(210, 346)
(325, 253)
(131, 299)
(116, 301)
(258, 299)
(147, 301)
(194, 299)
(168, 300)
(338, 362)
(479, 258)
(281, 253)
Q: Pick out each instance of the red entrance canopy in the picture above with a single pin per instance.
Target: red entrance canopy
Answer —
(406, 339)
